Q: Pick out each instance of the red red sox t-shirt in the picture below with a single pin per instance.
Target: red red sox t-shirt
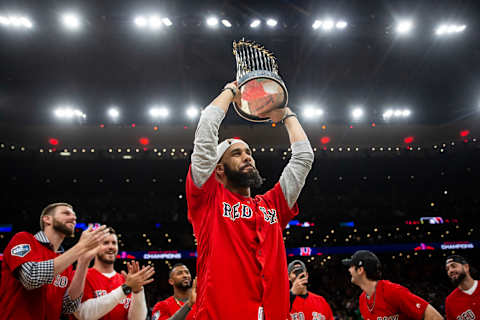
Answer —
(393, 302)
(462, 306)
(163, 310)
(16, 302)
(311, 307)
(98, 285)
(241, 263)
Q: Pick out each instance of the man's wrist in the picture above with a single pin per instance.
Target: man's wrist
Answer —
(231, 90)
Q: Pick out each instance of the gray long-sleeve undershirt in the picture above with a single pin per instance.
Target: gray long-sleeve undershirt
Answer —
(204, 156)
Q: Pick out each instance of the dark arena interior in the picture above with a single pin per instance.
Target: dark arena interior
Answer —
(102, 114)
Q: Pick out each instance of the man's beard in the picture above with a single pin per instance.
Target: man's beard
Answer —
(248, 179)
(456, 282)
(62, 228)
(182, 286)
(102, 258)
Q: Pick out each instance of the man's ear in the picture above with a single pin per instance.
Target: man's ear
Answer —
(47, 219)
(170, 281)
(220, 169)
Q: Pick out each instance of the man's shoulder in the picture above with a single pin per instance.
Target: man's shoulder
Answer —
(163, 303)
(455, 293)
(315, 296)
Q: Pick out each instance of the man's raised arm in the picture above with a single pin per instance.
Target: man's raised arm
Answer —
(295, 173)
(204, 156)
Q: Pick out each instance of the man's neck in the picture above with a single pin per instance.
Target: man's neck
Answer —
(244, 191)
(368, 286)
(181, 295)
(466, 284)
(56, 238)
(103, 267)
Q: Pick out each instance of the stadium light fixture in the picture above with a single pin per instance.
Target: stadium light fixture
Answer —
(192, 112)
(140, 21)
(310, 112)
(113, 113)
(71, 21)
(212, 22)
(272, 23)
(166, 21)
(357, 113)
(68, 112)
(226, 23)
(16, 22)
(255, 23)
(159, 112)
(341, 24)
(317, 24)
(448, 29)
(155, 22)
(328, 25)
(404, 27)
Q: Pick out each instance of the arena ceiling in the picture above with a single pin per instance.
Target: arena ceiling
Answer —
(109, 61)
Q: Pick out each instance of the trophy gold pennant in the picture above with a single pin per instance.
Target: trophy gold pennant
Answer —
(261, 88)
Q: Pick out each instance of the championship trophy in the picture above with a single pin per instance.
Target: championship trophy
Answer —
(261, 88)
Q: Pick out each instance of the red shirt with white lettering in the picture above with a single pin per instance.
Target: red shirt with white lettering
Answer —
(241, 263)
(16, 302)
(168, 307)
(462, 306)
(98, 285)
(393, 302)
(311, 307)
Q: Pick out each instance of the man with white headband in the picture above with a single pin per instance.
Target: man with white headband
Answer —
(241, 266)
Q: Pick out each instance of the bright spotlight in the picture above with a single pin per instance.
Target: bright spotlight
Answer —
(16, 22)
(446, 29)
(140, 22)
(156, 112)
(317, 24)
(166, 21)
(226, 23)
(71, 21)
(406, 113)
(328, 25)
(272, 22)
(388, 114)
(404, 27)
(113, 113)
(212, 22)
(255, 23)
(397, 113)
(311, 112)
(357, 113)
(26, 22)
(341, 24)
(68, 112)
(4, 21)
(192, 112)
(155, 22)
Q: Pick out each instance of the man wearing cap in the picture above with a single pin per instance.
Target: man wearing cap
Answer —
(305, 305)
(382, 299)
(464, 302)
(241, 266)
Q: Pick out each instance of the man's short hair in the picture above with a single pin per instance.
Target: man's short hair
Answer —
(179, 264)
(48, 210)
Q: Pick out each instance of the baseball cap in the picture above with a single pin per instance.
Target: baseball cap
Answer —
(456, 258)
(292, 265)
(225, 144)
(364, 258)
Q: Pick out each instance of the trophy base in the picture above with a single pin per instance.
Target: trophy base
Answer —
(261, 92)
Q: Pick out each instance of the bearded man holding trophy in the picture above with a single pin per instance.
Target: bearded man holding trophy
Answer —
(241, 264)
